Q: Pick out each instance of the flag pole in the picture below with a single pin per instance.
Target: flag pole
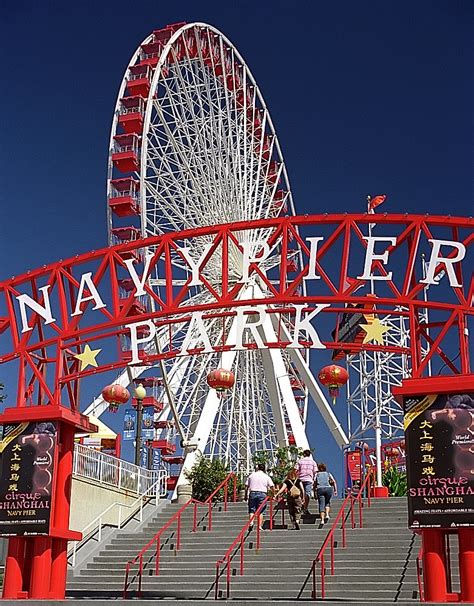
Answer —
(377, 425)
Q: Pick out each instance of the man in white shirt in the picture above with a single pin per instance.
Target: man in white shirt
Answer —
(256, 489)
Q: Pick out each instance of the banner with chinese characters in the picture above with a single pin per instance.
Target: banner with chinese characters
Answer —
(439, 433)
(26, 478)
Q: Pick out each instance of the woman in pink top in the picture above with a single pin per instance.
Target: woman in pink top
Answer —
(256, 489)
(306, 468)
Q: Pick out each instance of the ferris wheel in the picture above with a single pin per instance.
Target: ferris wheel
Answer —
(192, 145)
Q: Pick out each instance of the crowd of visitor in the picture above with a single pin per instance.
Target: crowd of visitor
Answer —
(307, 479)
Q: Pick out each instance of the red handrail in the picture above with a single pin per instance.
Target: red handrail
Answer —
(329, 540)
(239, 544)
(177, 517)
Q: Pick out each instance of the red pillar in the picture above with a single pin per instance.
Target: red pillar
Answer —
(40, 568)
(434, 566)
(466, 563)
(57, 586)
(62, 495)
(61, 512)
(14, 566)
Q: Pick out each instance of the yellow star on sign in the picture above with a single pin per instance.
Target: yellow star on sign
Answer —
(375, 331)
(88, 357)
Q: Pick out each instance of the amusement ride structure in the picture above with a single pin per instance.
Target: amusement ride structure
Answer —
(193, 148)
(192, 145)
(215, 292)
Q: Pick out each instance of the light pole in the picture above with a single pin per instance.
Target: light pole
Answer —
(140, 394)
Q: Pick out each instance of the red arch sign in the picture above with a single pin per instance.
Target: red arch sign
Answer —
(311, 269)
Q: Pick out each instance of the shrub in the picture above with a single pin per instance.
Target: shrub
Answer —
(205, 476)
(395, 481)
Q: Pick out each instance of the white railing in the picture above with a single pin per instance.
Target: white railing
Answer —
(106, 518)
(108, 470)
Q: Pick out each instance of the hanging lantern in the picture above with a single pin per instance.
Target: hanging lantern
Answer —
(115, 395)
(220, 379)
(333, 377)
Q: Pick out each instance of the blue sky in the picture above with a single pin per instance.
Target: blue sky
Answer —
(366, 97)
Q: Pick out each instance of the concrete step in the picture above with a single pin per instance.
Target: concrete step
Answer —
(278, 570)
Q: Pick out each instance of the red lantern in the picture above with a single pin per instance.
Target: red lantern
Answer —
(220, 379)
(115, 395)
(333, 377)
(391, 452)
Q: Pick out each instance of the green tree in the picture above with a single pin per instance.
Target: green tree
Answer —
(205, 476)
(285, 459)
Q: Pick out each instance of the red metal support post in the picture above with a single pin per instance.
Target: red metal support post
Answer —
(466, 563)
(41, 568)
(14, 568)
(434, 565)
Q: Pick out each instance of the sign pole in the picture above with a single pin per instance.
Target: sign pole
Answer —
(466, 563)
(438, 421)
(434, 566)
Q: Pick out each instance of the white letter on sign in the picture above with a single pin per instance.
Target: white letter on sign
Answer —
(371, 256)
(44, 312)
(304, 324)
(195, 267)
(244, 321)
(135, 341)
(86, 280)
(313, 252)
(448, 262)
(254, 252)
(139, 284)
(196, 334)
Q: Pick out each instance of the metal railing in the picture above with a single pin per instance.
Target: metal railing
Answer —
(155, 542)
(155, 491)
(108, 470)
(239, 544)
(349, 502)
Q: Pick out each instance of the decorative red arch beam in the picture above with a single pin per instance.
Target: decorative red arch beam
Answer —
(48, 315)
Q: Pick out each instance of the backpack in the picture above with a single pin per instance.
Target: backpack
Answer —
(295, 491)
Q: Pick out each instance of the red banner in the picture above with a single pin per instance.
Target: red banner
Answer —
(354, 465)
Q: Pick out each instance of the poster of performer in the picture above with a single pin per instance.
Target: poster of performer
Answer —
(439, 431)
(26, 478)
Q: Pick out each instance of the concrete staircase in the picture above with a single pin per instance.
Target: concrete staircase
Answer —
(378, 563)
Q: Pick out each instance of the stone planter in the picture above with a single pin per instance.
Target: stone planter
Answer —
(184, 493)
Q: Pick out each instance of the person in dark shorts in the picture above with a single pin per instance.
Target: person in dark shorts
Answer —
(306, 469)
(295, 493)
(256, 489)
(324, 489)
